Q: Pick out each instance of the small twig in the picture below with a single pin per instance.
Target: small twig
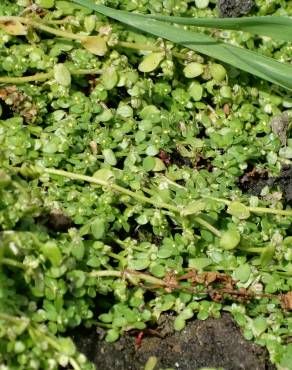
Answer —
(274, 211)
(128, 274)
(14, 319)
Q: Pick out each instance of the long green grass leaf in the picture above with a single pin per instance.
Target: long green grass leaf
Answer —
(249, 61)
(272, 26)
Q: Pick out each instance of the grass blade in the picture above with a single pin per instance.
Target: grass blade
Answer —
(246, 60)
(276, 27)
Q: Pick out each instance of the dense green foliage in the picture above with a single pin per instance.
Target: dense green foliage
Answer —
(120, 163)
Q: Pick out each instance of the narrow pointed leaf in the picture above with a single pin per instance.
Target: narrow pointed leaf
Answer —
(276, 27)
(246, 60)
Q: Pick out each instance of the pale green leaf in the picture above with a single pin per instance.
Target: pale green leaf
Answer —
(230, 239)
(139, 264)
(259, 325)
(267, 255)
(151, 62)
(109, 157)
(103, 174)
(242, 273)
(238, 210)
(199, 263)
(62, 74)
(194, 207)
(95, 44)
(98, 228)
(193, 69)
(159, 165)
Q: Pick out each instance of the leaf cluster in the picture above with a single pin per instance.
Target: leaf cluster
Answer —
(121, 157)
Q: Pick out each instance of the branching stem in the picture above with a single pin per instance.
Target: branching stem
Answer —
(274, 211)
(129, 275)
(11, 262)
(135, 195)
(46, 76)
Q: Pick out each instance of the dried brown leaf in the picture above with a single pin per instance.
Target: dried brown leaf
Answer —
(171, 281)
(19, 102)
(280, 126)
(286, 301)
(14, 28)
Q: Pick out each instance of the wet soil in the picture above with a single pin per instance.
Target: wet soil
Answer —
(211, 343)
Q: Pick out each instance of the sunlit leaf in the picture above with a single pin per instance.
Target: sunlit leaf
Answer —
(95, 44)
(62, 74)
(239, 210)
(194, 207)
(151, 62)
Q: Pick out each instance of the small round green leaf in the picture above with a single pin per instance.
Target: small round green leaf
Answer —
(52, 253)
(139, 263)
(109, 78)
(62, 74)
(46, 4)
(157, 270)
(149, 163)
(242, 273)
(67, 346)
(109, 157)
(199, 263)
(95, 44)
(159, 165)
(226, 92)
(164, 252)
(230, 239)
(112, 335)
(201, 4)
(239, 210)
(151, 62)
(259, 325)
(194, 207)
(179, 323)
(196, 91)
(151, 363)
(152, 150)
(218, 72)
(98, 228)
(187, 313)
(103, 174)
(193, 69)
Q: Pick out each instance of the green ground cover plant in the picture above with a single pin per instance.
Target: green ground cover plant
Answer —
(123, 159)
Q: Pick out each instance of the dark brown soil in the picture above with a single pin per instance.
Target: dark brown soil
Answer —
(253, 181)
(285, 182)
(212, 343)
